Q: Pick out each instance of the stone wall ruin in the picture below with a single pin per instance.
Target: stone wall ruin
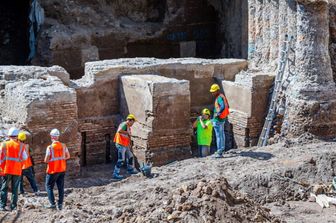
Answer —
(90, 108)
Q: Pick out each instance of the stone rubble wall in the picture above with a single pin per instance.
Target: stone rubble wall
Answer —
(269, 22)
(311, 97)
(36, 99)
(310, 100)
(79, 31)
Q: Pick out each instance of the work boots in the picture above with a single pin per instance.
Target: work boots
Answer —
(132, 171)
(117, 176)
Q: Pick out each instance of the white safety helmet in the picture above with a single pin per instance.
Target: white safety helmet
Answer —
(55, 133)
(13, 132)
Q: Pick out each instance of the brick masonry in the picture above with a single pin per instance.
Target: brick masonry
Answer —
(162, 106)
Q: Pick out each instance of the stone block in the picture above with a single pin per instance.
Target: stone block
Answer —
(162, 107)
(239, 97)
(248, 99)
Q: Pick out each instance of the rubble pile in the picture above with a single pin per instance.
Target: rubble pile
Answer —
(205, 201)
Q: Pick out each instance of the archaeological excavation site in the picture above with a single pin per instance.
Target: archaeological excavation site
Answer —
(82, 66)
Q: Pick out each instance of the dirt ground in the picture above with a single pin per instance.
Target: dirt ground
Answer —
(185, 191)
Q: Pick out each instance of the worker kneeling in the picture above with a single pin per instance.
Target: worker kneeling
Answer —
(12, 154)
(56, 155)
(122, 141)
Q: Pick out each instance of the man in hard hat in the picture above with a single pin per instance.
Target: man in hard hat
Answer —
(122, 141)
(3, 138)
(221, 112)
(56, 155)
(27, 167)
(12, 154)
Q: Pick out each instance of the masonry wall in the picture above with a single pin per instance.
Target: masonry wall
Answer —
(79, 31)
(248, 97)
(36, 99)
(201, 73)
(98, 118)
(162, 106)
(100, 86)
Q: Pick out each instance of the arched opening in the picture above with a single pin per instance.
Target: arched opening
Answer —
(14, 24)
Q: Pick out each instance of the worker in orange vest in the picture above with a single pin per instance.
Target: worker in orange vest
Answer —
(122, 141)
(12, 154)
(220, 114)
(3, 138)
(56, 155)
(27, 167)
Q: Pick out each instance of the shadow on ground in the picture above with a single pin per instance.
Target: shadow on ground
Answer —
(251, 154)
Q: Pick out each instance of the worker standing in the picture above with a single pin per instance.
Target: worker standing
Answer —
(204, 128)
(56, 155)
(221, 112)
(3, 138)
(122, 141)
(27, 167)
(12, 154)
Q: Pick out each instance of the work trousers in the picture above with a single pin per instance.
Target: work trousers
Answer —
(51, 179)
(124, 155)
(29, 174)
(15, 180)
(203, 150)
(220, 136)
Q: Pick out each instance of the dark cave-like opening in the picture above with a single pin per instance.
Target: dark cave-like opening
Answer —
(14, 24)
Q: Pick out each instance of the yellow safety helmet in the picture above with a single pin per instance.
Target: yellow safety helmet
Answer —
(214, 88)
(131, 117)
(205, 111)
(22, 136)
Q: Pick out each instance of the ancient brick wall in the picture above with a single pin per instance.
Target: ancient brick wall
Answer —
(36, 100)
(98, 109)
(248, 98)
(162, 107)
(100, 85)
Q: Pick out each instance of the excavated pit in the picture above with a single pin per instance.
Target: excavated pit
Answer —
(86, 37)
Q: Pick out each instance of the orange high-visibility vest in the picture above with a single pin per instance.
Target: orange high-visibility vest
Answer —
(226, 111)
(2, 160)
(122, 139)
(28, 162)
(12, 157)
(57, 161)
